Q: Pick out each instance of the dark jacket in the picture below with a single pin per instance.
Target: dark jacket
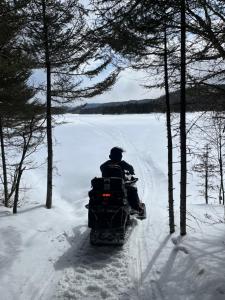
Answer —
(123, 164)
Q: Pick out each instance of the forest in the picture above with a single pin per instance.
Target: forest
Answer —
(81, 49)
(198, 99)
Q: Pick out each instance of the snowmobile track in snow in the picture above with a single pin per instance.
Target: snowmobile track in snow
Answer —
(110, 273)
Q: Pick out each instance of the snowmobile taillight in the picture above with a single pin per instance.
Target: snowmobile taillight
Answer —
(106, 195)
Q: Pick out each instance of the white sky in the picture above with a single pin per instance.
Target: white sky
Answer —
(127, 87)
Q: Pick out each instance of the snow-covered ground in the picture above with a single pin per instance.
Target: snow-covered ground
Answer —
(45, 254)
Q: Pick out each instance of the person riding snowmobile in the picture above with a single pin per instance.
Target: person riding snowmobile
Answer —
(116, 159)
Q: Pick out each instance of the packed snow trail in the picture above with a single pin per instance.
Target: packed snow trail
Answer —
(45, 254)
(106, 272)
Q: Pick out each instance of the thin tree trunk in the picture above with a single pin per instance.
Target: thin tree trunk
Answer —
(206, 175)
(4, 169)
(169, 139)
(16, 197)
(183, 174)
(20, 172)
(48, 111)
(26, 143)
(220, 197)
(221, 169)
(206, 187)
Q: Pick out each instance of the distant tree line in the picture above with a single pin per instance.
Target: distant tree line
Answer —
(199, 98)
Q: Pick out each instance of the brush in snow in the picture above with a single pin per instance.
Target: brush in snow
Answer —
(109, 213)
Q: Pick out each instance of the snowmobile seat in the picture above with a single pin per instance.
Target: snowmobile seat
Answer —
(107, 184)
(112, 170)
(108, 190)
(108, 206)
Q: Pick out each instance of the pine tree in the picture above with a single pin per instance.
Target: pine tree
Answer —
(138, 31)
(14, 74)
(183, 147)
(58, 37)
(206, 169)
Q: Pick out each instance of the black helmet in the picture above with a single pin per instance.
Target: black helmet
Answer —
(116, 153)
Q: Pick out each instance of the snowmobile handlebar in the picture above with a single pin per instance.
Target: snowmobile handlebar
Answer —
(129, 179)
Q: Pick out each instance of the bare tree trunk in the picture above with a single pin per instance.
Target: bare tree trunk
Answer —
(206, 174)
(20, 172)
(169, 139)
(221, 170)
(48, 111)
(26, 143)
(183, 174)
(16, 197)
(220, 197)
(4, 169)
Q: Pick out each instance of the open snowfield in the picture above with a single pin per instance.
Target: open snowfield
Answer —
(45, 254)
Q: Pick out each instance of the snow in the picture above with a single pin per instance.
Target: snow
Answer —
(45, 254)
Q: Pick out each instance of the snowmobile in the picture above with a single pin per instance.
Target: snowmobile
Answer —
(109, 214)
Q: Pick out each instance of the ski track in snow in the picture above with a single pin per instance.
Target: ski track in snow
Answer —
(120, 273)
